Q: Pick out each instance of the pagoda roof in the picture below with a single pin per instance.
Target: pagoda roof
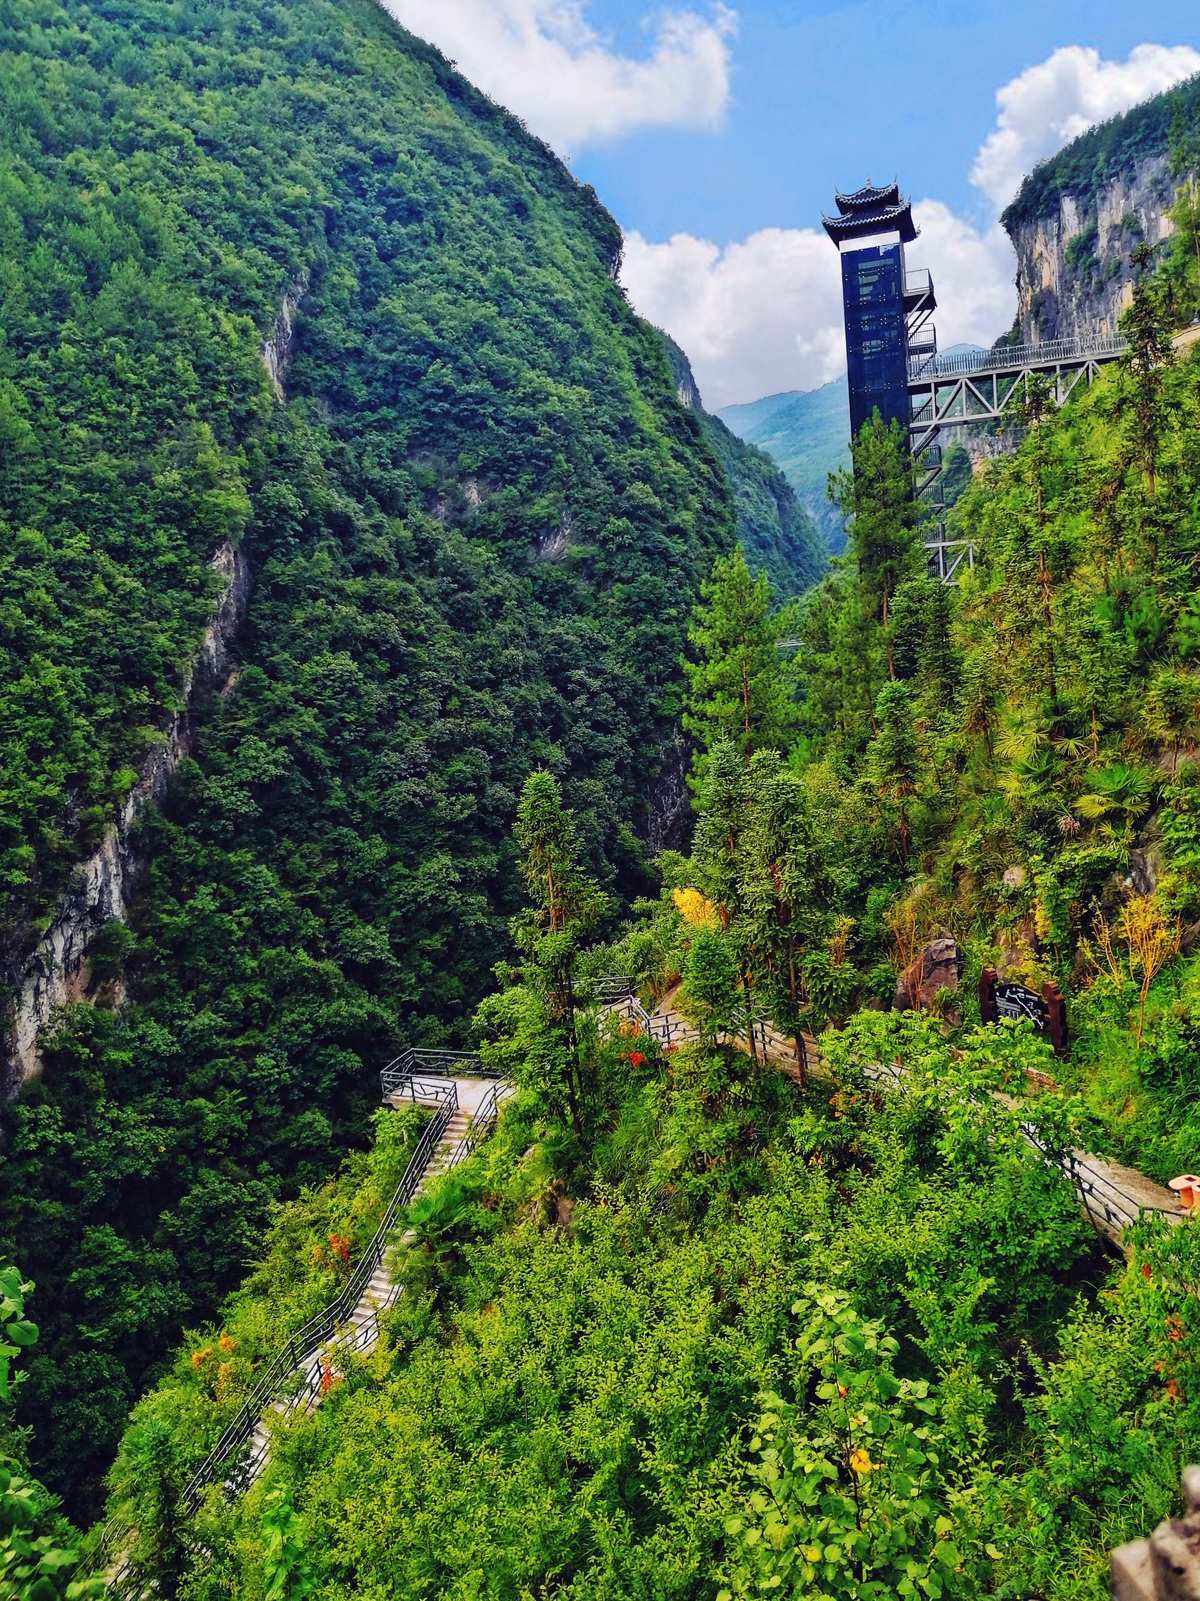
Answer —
(894, 215)
(869, 198)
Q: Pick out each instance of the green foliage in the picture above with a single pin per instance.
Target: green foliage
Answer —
(1091, 161)
(775, 530)
(35, 1563)
(739, 685)
(476, 527)
(850, 1495)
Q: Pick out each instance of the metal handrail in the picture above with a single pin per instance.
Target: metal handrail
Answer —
(440, 1063)
(318, 1338)
(314, 1334)
(1103, 346)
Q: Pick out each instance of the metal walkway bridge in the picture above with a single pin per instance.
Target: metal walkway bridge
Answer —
(983, 386)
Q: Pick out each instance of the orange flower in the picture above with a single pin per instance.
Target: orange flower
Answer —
(200, 1357)
(227, 1343)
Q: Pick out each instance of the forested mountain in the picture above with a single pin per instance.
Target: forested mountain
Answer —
(773, 1277)
(804, 432)
(719, 1313)
(475, 527)
(775, 530)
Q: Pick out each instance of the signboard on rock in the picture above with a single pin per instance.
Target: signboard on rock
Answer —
(1044, 1008)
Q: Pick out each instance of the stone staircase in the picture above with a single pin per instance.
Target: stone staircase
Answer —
(321, 1373)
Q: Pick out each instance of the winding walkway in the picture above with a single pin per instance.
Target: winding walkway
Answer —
(1112, 1196)
(465, 1103)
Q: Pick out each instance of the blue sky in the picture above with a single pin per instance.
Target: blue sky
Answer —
(826, 94)
(715, 131)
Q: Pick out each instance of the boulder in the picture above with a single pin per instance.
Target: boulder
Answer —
(938, 966)
(1166, 1567)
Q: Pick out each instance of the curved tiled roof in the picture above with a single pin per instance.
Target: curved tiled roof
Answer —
(897, 216)
(868, 195)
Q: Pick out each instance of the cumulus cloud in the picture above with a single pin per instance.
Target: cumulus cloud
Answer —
(1049, 104)
(544, 60)
(765, 314)
(755, 317)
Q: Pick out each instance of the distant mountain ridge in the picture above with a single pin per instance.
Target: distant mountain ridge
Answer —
(775, 528)
(806, 432)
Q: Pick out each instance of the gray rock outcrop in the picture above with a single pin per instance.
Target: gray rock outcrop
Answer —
(1075, 272)
(100, 887)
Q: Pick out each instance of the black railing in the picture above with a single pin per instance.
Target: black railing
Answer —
(303, 1368)
(435, 1064)
(317, 1332)
(1103, 347)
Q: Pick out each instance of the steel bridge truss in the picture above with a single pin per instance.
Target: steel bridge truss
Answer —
(976, 387)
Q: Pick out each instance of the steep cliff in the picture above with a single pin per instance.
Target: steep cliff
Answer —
(1079, 217)
(774, 529)
(477, 517)
(806, 433)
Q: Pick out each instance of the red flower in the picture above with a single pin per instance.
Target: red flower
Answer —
(636, 1059)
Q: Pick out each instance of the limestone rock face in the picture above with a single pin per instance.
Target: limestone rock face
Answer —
(939, 966)
(100, 887)
(1074, 267)
(1166, 1567)
(277, 349)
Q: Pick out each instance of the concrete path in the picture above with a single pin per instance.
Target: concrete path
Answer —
(320, 1373)
(1113, 1196)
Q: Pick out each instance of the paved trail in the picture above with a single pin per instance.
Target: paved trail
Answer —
(1113, 1196)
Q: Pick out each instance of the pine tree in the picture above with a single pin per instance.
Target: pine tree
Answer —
(892, 757)
(783, 888)
(740, 687)
(722, 812)
(1147, 326)
(566, 907)
(876, 497)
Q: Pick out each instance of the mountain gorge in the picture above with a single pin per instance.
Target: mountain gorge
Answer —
(804, 432)
(473, 516)
(410, 694)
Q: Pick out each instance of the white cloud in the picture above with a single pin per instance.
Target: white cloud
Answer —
(544, 60)
(765, 314)
(1049, 104)
(757, 316)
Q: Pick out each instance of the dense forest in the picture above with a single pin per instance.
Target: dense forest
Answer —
(475, 530)
(691, 1325)
(702, 1319)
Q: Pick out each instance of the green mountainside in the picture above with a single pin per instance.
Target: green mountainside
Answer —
(779, 536)
(475, 528)
(805, 433)
(712, 1316)
(1083, 167)
(773, 1275)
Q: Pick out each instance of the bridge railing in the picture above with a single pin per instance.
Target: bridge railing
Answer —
(1103, 347)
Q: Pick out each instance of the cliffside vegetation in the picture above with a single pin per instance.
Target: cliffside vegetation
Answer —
(696, 1323)
(476, 528)
(804, 432)
(708, 1322)
(779, 534)
(1093, 159)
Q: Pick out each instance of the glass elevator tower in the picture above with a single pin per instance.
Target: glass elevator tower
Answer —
(881, 302)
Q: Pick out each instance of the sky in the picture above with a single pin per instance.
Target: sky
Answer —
(716, 133)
